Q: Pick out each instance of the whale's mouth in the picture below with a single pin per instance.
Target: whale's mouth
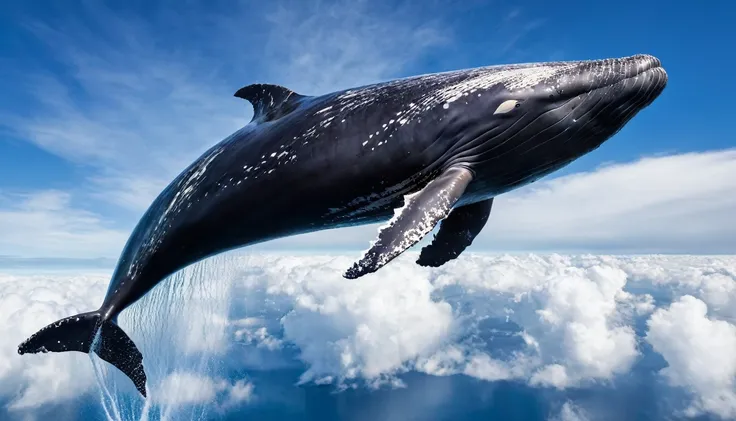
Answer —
(644, 64)
(656, 75)
(603, 111)
(645, 71)
(633, 92)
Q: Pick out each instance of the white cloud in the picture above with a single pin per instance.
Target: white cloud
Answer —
(571, 313)
(566, 321)
(28, 303)
(47, 224)
(186, 388)
(183, 341)
(484, 367)
(364, 330)
(239, 392)
(571, 412)
(711, 279)
(251, 330)
(554, 375)
(576, 318)
(700, 353)
(182, 388)
(667, 204)
(318, 47)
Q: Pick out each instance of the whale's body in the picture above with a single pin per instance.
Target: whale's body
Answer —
(436, 147)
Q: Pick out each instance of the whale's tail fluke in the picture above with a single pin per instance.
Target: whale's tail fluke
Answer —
(77, 333)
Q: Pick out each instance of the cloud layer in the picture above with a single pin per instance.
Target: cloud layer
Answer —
(680, 203)
(548, 321)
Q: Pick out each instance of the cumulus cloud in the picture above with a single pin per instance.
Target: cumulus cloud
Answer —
(570, 312)
(700, 353)
(251, 330)
(28, 303)
(350, 331)
(543, 320)
(574, 319)
(181, 327)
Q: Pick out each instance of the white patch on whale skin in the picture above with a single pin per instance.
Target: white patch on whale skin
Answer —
(506, 106)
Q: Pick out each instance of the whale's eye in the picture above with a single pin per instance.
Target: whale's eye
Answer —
(507, 106)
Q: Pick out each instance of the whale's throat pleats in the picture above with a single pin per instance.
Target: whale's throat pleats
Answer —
(421, 212)
(270, 102)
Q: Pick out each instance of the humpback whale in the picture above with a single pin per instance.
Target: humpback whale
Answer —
(416, 152)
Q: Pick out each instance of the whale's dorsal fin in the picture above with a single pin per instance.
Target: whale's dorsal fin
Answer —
(270, 102)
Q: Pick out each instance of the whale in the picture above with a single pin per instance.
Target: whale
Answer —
(417, 153)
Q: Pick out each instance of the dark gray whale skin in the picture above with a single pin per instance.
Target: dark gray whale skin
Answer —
(418, 151)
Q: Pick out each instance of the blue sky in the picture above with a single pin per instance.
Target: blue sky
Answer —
(102, 105)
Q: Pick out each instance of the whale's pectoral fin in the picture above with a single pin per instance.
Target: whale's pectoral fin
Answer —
(421, 212)
(456, 233)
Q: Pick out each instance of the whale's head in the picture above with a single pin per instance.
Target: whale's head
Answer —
(541, 116)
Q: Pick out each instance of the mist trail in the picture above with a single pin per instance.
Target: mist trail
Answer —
(181, 329)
